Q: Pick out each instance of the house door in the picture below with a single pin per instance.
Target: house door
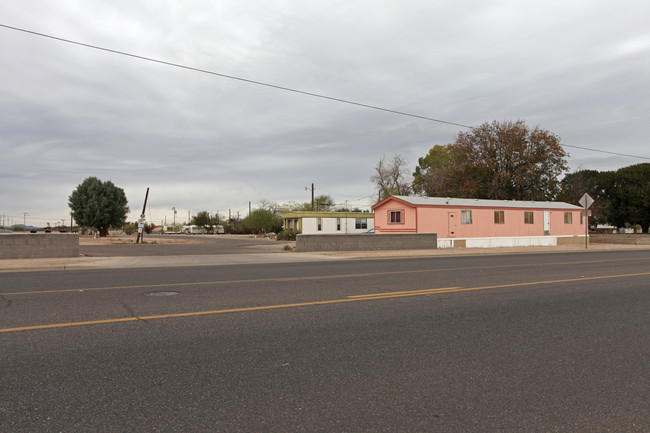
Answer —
(452, 218)
(547, 222)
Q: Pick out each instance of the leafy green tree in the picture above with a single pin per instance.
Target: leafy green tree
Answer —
(429, 175)
(498, 160)
(148, 228)
(506, 161)
(628, 193)
(206, 220)
(575, 185)
(261, 221)
(323, 203)
(98, 204)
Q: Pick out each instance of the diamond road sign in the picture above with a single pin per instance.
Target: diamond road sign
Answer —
(586, 201)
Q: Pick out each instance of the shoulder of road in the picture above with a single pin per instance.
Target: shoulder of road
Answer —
(279, 256)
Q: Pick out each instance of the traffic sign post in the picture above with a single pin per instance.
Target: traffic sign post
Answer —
(586, 201)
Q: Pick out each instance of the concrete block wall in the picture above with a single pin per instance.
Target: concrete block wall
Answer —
(38, 245)
(370, 242)
(620, 238)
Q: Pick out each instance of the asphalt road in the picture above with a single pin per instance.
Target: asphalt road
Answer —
(541, 343)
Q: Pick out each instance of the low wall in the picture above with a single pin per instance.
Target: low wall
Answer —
(38, 245)
(620, 238)
(369, 242)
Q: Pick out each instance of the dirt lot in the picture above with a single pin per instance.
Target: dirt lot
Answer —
(165, 245)
(157, 239)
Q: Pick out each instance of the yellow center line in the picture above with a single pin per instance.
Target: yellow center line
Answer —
(206, 313)
(306, 278)
(355, 298)
(404, 293)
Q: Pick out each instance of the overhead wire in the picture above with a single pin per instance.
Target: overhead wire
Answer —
(278, 87)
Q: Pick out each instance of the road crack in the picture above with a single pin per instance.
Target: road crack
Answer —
(132, 313)
(7, 302)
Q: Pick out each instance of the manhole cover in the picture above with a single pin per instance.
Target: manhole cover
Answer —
(162, 293)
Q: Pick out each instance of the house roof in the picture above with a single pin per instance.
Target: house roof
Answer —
(312, 214)
(470, 202)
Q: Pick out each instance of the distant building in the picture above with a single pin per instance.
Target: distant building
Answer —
(328, 222)
(482, 223)
(199, 230)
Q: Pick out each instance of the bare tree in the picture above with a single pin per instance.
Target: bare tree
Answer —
(270, 206)
(392, 177)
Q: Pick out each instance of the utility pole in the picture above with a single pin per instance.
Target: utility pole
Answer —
(25, 219)
(142, 219)
(312, 195)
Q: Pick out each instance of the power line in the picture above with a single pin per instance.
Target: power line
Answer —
(605, 151)
(232, 77)
(275, 86)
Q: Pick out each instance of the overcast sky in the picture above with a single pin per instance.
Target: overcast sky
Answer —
(203, 142)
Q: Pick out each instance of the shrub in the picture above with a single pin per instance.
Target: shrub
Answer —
(287, 236)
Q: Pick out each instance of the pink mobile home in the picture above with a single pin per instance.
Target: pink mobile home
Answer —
(482, 223)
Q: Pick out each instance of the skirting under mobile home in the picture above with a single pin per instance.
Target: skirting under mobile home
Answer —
(472, 223)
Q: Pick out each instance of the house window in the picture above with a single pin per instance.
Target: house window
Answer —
(568, 217)
(319, 223)
(396, 217)
(499, 217)
(465, 216)
(338, 224)
(361, 223)
(528, 218)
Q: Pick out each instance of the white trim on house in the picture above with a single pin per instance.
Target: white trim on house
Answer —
(512, 241)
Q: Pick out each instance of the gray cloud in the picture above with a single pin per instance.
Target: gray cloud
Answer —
(203, 142)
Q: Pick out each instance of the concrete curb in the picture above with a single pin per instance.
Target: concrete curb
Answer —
(85, 263)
